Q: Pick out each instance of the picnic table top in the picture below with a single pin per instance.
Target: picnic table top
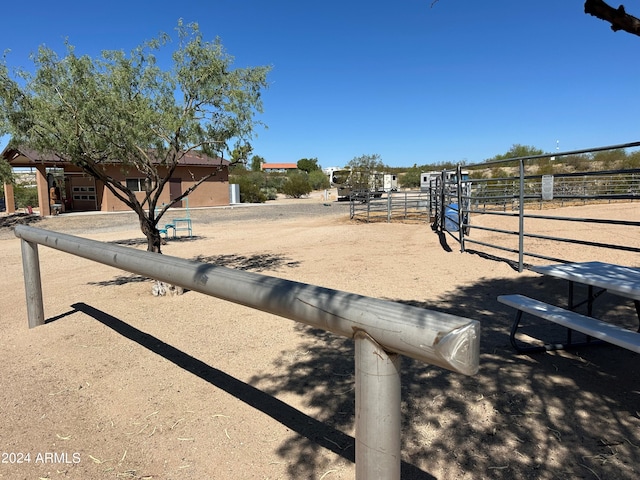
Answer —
(618, 279)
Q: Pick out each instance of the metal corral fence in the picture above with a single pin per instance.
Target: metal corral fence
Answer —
(382, 330)
(520, 195)
(410, 205)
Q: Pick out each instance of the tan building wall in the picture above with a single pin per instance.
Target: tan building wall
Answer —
(81, 192)
(213, 192)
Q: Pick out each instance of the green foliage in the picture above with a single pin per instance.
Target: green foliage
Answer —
(632, 160)
(6, 175)
(411, 178)
(610, 157)
(546, 167)
(518, 151)
(125, 108)
(25, 196)
(308, 165)
(579, 163)
(297, 185)
(497, 172)
(240, 154)
(274, 180)
(318, 180)
(251, 194)
(251, 185)
(367, 163)
(270, 193)
(256, 163)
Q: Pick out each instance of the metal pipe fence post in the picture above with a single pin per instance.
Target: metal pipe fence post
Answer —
(32, 283)
(377, 410)
(521, 221)
(442, 199)
(460, 212)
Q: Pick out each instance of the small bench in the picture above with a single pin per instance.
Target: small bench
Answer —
(573, 321)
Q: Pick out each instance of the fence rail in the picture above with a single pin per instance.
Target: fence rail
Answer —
(519, 195)
(388, 206)
(382, 330)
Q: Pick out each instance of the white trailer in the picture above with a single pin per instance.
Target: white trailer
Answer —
(390, 182)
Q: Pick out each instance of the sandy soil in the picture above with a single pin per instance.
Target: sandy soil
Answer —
(121, 384)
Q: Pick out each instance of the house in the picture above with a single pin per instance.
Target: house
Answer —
(278, 167)
(81, 192)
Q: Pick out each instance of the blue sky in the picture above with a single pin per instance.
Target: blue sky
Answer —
(416, 83)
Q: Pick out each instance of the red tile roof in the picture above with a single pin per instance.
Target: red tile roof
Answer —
(278, 166)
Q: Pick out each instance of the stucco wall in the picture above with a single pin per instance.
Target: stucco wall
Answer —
(211, 193)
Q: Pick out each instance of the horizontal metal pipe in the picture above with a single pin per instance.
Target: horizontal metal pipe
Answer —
(436, 338)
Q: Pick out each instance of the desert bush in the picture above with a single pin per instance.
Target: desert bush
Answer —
(297, 185)
(318, 180)
(270, 193)
(250, 189)
(25, 196)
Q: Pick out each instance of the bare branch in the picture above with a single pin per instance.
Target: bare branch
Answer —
(617, 17)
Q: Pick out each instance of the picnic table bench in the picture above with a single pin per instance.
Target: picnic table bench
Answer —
(622, 281)
(590, 326)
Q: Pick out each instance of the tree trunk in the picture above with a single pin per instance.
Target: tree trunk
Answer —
(150, 230)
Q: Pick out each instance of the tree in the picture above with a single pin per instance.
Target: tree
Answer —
(240, 155)
(6, 175)
(127, 110)
(617, 17)
(411, 178)
(308, 164)
(256, 163)
(319, 180)
(518, 151)
(367, 163)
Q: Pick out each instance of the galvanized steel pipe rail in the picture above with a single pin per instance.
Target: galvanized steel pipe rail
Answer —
(382, 329)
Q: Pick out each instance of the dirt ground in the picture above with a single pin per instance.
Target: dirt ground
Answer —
(120, 384)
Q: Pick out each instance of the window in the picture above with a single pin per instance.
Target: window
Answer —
(135, 184)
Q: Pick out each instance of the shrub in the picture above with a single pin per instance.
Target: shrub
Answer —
(270, 193)
(411, 178)
(275, 180)
(25, 196)
(250, 189)
(297, 185)
(318, 180)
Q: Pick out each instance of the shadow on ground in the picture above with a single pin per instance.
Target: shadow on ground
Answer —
(259, 262)
(540, 416)
(317, 433)
(553, 415)
(11, 221)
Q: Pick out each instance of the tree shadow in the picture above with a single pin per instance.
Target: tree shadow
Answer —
(549, 415)
(259, 262)
(14, 219)
(135, 242)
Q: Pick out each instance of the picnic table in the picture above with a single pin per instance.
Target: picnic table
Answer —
(599, 277)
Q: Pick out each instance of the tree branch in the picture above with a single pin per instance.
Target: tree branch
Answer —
(617, 17)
